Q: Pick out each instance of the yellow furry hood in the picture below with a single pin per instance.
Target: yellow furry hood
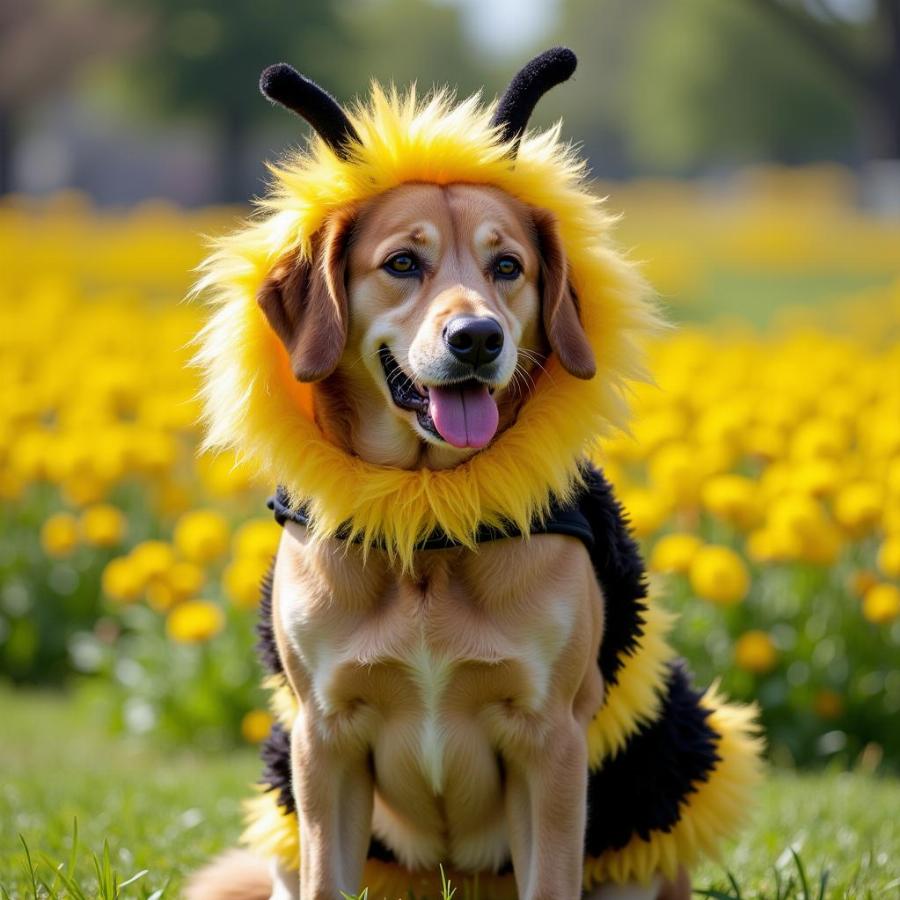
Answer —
(254, 405)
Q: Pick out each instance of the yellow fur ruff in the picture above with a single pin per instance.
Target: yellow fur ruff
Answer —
(254, 405)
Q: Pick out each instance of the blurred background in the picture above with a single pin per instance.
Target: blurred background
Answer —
(752, 148)
(138, 99)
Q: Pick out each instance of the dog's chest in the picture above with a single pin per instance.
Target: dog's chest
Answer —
(469, 642)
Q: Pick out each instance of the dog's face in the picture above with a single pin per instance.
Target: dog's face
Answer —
(422, 315)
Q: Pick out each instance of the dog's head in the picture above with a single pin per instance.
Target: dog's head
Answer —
(425, 312)
(426, 285)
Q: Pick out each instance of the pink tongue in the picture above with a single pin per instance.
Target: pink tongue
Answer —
(464, 417)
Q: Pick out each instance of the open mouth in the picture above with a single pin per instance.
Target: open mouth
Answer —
(463, 413)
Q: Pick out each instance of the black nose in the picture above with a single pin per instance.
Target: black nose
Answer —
(474, 339)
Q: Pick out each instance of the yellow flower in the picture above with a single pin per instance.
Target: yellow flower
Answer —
(823, 547)
(152, 559)
(257, 537)
(860, 582)
(172, 499)
(102, 525)
(194, 622)
(819, 477)
(242, 578)
(122, 580)
(754, 651)
(652, 431)
(673, 469)
(160, 595)
(881, 603)
(797, 515)
(858, 506)
(646, 510)
(185, 579)
(732, 498)
(256, 725)
(84, 489)
(765, 441)
(761, 546)
(889, 557)
(11, 487)
(59, 535)
(719, 574)
(828, 704)
(201, 536)
(890, 519)
(155, 453)
(674, 552)
(820, 437)
(223, 476)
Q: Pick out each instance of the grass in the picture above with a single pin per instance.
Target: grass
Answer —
(146, 817)
(758, 297)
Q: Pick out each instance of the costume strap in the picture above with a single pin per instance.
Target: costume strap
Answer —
(566, 520)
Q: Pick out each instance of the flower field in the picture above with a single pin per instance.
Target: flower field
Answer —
(762, 475)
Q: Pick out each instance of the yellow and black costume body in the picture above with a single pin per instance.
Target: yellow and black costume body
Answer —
(672, 771)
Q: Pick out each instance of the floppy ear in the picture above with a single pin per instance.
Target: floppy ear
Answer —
(559, 304)
(305, 301)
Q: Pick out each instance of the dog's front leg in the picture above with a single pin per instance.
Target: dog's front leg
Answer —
(546, 810)
(333, 790)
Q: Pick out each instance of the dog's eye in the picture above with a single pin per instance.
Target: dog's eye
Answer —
(507, 267)
(401, 264)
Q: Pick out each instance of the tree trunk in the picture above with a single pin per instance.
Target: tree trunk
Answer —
(877, 82)
(233, 183)
(890, 14)
(7, 145)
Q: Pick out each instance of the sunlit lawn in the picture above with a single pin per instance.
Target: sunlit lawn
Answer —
(167, 811)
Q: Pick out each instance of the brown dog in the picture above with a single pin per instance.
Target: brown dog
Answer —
(462, 648)
(445, 708)
(410, 684)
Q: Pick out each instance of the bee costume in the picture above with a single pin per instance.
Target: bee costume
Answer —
(672, 771)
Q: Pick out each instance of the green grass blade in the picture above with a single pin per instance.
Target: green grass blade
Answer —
(801, 871)
(31, 871)
(134, 878)
(73, 856)
(69, 883)
(447, 891)
(735, 885)
(779, 890)
(714, 895)
(50, 889)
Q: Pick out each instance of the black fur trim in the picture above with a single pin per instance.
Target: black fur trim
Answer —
(276, 757)
(645, 787)
(285, 85)
(536, 77)
(380, 851)
(620, 570)
(266, 648)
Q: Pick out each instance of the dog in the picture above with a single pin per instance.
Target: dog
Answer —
(480, 690)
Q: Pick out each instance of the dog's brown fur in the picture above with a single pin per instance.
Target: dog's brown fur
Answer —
(444, 708)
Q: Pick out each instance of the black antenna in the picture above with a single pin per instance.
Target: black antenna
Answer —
(535, 78)
(285, 85)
